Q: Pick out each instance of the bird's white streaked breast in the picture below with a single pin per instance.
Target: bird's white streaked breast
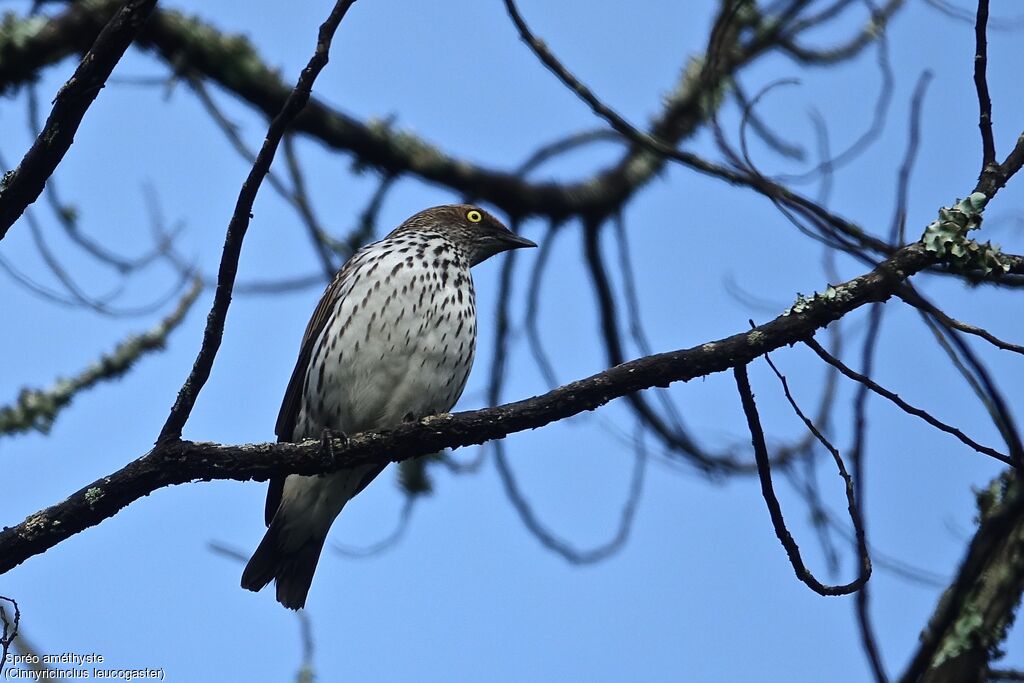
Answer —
(399, 342)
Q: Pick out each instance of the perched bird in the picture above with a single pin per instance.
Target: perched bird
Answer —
(391, 340)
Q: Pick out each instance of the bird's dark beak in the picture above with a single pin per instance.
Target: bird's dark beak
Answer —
(514, 241)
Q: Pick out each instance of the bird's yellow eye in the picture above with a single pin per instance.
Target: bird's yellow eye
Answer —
(474, 216)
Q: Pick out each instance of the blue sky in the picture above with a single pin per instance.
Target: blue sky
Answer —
(702, 590)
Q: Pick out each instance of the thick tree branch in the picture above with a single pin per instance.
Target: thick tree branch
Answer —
(976, 611)
(24, 184)
(178, 462)
(194, 47)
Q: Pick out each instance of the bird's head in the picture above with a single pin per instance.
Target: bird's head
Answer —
(478, 234)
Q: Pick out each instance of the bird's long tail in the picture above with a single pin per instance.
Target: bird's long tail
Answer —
(291, 569)
(290, 550)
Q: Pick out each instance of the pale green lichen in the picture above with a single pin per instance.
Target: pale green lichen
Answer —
(834, 295)
(35, 525)
(990, 498)
(985, 613)
(16, 31)
(93, 494)
(236, 56)
(961, 638)
(946, 237)
(800, 305)
(694, 81)
(439, 418)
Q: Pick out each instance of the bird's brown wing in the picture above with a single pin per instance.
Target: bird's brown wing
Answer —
(285, 427)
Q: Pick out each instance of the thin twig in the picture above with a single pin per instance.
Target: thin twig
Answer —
(897, 228)
(904, 406)
(774, 509)
(911, 296)
(366, 227)
(295, 196)
(67, 215)
(860, 423)
(10, 628)
(388, 542)
(853, 504)
(1001, 414)
(547, 152)
(969, 17)
(240, 223)
(550, 540)
(988, 145)
(874, 130)
(762, 130)
(674, 439)
(843, 51)
(36, 409)
(23, 185)
(533, 300)
(317, 234)
(177, 462)
(520, 504)
(632, 301)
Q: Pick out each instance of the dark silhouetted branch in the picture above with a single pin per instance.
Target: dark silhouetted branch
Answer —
(974, 614)
(968, 17)
(842, 51)
(903, 405)
(672, 438)
(853, 506)
(36, 409)
(897, 228)
(911, 296)
(386, 543)
(23, 186)
(858, 456)
(988, 146)
(317, 235)
(295, 196)
(240, 223)
(775, 510)
(176, 462)
(562, 547)
(10, 628)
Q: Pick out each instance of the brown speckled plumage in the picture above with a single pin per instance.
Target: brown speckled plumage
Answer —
(392, 339)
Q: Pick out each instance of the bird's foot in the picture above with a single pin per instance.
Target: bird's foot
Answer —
(327, 437)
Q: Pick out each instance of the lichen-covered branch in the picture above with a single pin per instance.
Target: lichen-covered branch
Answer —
(192, 46)
(177, 462)
(973, 616)
(36, 409)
